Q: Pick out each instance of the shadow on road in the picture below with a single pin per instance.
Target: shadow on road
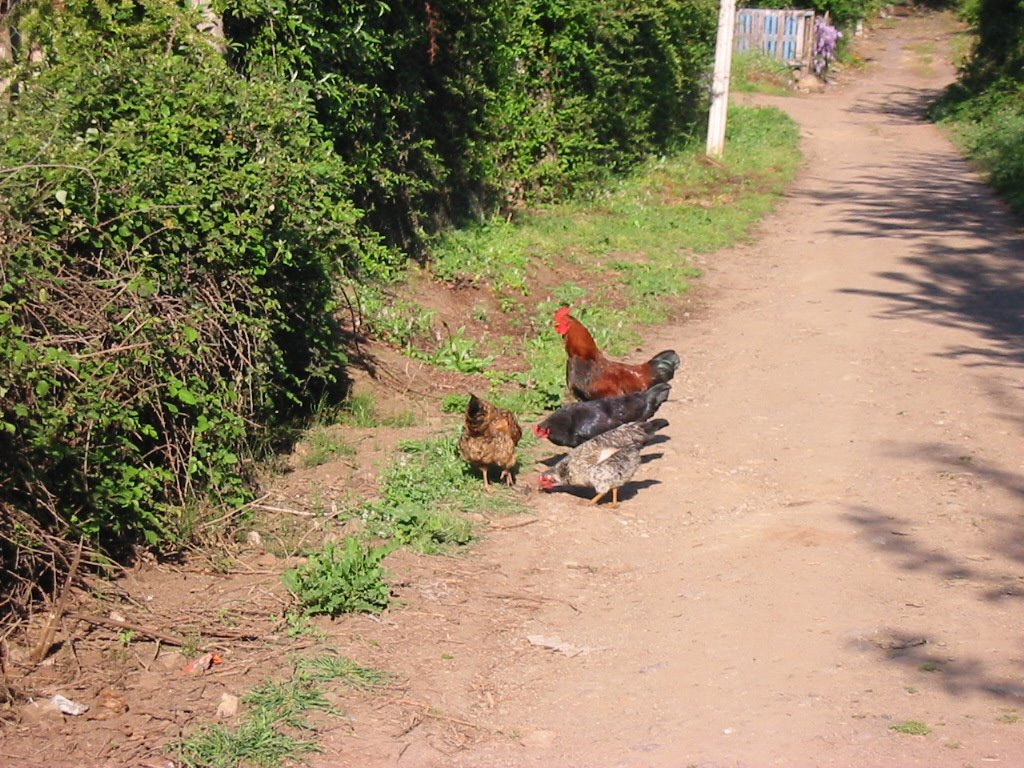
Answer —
(964, 266)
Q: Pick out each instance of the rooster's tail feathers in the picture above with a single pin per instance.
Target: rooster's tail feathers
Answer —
(665, 364)
(654, 425)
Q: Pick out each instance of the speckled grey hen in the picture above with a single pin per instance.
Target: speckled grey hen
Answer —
(605, 462)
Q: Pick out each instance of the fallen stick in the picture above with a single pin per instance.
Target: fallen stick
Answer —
(429, 711)
(103, 621)
(46, 639)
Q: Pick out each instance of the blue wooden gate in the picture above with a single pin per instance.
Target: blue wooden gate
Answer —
(782, 34)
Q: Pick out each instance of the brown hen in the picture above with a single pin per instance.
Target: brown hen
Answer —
(489, 438)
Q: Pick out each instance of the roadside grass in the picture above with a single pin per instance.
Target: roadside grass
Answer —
(361, 411)
(427, 493)
(757, 72)
(274, 728)
(323, 445)
(635, 242)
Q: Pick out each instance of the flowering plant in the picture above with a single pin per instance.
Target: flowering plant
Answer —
(826, 39)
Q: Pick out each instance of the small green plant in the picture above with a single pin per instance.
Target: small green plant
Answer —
(359, 411)
(337, 580)
(257, 741)
(266, 734)
(430, 531)
(1010, 716)
(191, 647)
(911, 727)
(335, 667)
(300, 626)
(458, 353)
(288, 701)
(930, 666)
(455, 403)
(323, 446)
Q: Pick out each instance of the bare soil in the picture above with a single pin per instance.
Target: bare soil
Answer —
(828, 545)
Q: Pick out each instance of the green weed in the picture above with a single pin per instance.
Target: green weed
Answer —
(324, 445)
(274, 729)
(423, 493)
(912, 727)
(361, 411)
(257, 741)
(457, 353)
(757, 72)
(337, 580)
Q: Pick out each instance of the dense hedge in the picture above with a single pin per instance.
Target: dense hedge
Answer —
(169, 233)
(173, 219)
(986, 106)
(453, 109)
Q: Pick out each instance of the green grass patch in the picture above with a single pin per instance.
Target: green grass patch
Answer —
(757, 72)
(344, 670)
(324, 445)
(911, 727)
(274, 728)
(426, 492)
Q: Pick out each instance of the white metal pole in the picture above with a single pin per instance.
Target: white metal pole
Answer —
(720, 79)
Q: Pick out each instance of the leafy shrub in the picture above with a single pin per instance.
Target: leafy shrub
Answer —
(168, 237)
(451, 111)
(985, 108)
(347, 580)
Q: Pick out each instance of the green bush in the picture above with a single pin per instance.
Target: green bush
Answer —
(446, 111)
(985, 108)
(169, 233)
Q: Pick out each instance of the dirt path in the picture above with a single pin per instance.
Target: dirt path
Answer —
(831, 542)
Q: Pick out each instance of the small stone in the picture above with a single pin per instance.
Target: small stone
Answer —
(228, 706)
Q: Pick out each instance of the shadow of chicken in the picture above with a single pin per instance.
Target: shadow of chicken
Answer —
(575, 423)
(590, 375)
(604, 463)
(489, 438)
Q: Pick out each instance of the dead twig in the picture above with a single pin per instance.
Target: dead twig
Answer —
(531, 598)
(155, 634)
(502, 525)
(42, 648)
(431, 712)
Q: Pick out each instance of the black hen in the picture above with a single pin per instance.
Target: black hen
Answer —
(576, 423)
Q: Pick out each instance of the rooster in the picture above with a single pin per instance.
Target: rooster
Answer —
(605, 462)
(489, 438)
(590, 375)
(576, 423)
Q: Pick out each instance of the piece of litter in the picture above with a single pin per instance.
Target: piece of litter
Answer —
(202, 663)
(69, 707)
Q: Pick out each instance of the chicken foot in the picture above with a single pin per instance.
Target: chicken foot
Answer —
(615, 497)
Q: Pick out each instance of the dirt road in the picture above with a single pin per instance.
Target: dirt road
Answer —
(829, 548)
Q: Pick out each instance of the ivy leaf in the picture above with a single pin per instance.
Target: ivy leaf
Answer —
(61, 195)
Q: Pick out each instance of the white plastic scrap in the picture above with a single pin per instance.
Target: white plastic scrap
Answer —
(69, 707)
